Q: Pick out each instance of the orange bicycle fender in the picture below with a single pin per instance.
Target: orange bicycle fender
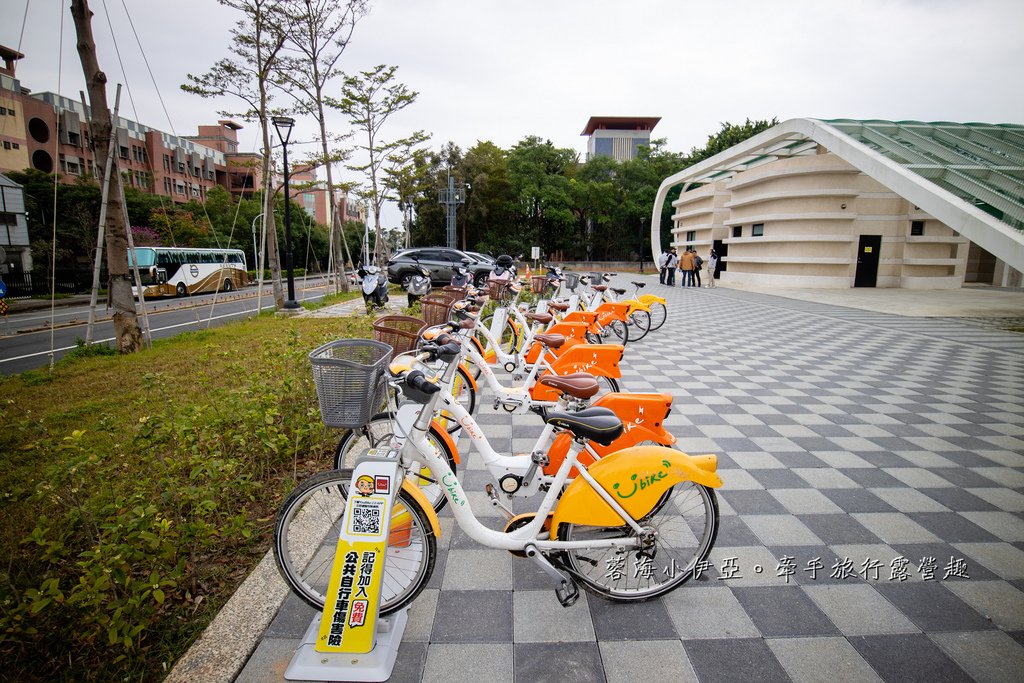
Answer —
(447, 438)
(574, 333)
(397, 531)
(636, 478)
(600, 360)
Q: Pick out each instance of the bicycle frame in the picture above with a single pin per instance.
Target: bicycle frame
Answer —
(418, 450)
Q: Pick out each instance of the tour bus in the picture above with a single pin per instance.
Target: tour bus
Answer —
(173, 271)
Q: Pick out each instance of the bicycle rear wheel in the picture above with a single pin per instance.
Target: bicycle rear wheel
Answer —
(306, 538)
(685, 522)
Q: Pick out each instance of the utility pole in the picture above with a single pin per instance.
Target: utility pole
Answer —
(126, 323)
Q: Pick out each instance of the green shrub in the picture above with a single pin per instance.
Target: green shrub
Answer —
(138, 491)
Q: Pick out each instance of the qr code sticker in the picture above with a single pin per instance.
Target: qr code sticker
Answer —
(367, 516)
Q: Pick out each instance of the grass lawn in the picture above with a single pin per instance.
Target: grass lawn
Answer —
(139, 491)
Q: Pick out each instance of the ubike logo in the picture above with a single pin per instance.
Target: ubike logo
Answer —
(628, 426)
(583, 367)
(451, 483)
(470, 426)
(641, 482)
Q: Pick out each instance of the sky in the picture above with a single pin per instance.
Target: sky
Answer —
(500, 70)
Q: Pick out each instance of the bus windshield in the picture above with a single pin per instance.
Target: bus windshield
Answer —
(145, 256)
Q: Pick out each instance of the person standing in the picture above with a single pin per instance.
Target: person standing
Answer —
(670, 266)
(698, 264)
(712, 267)
(686, 265)
(662, 269)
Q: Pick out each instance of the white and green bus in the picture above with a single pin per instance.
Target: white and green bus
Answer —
(174, 271)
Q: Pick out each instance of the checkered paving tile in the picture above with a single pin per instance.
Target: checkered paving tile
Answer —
(872, 515)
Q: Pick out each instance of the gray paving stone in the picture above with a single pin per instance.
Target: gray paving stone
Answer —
(912, 658)
(487, 569)
(649, 660)
(859, 609)
(749, 660)
(780, 530)
(570, 662)
(1002, 558)
(473, 617)
(805, 501)
(894, 527)
(631, 620)
(1004, 525)
(932, 607)
(996, 600)
(711, 612)
(805, 659)
(779, 611)
(469, 663)
(987, 656)
(539, 618)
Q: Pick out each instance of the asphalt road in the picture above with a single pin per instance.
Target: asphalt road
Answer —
(26, 338)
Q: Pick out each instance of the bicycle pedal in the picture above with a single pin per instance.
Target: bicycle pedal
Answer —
(567, 593)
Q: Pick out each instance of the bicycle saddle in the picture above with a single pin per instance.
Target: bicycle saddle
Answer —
(577, 385)
(542, 318)
(618, 291)
(600, 425)
(599, 288)
(640, 285)
(553, 341)
(558, 305)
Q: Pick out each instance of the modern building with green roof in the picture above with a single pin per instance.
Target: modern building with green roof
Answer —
(843, 203)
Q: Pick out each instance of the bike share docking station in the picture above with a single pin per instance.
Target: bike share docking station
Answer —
(349, 641)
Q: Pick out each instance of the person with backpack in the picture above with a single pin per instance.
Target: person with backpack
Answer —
(670, 265)
(663, 267)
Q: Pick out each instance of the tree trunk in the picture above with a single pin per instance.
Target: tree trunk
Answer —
(126, 324)
(340, 245)
(273, 255)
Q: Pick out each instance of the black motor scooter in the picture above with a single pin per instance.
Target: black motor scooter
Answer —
(418, 284)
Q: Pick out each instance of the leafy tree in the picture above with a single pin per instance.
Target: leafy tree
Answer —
(319, 32)
(729, 134)
(369, 100)
(539, 175)
(247, 75)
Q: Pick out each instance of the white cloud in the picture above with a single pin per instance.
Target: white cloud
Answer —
(497, 70)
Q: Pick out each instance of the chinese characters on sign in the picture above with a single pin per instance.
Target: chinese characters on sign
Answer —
(898, 569)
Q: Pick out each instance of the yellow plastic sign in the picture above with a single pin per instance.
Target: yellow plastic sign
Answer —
(349, 620)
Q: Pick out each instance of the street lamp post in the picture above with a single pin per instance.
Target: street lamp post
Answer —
(284, 125)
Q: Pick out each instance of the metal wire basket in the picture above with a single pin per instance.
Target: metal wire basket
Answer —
(400, 332)
(349, 377)
(572, 280)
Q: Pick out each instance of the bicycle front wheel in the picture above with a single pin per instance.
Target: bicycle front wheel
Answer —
(380, 432)
(658, 315)
(464, 394)
(685, 525)
(306, 538)
(640, 324)
(616, 332)
(508, 339)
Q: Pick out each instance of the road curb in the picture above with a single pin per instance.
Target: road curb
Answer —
(227, 643)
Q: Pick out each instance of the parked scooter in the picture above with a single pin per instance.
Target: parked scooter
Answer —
(374, 286)
(418, 284)
(461, 277)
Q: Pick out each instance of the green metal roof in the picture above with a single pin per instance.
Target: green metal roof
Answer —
(982, 163)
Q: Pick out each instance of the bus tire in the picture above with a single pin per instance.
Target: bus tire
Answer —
(181, 289)
(228, 286)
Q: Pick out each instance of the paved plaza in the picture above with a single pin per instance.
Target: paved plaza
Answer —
(872, 515)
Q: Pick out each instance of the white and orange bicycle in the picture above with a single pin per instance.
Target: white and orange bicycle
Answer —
(629, 527)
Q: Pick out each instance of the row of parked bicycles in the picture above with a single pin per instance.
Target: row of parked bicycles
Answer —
(615, 505)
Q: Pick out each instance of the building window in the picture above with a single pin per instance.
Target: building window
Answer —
(123, 152)
(757, 230)
(74, 139)
(167, 185)
(737, 231)
(691, 235)
(916, 228)
(7, 145)
(167, 162)
(8, 219)
(15, 145)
